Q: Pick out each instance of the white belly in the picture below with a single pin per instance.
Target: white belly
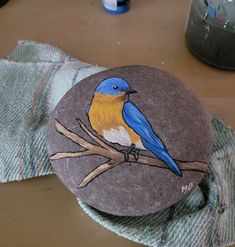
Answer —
(120, 136)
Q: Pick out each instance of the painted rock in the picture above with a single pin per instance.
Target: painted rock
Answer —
(130, 140)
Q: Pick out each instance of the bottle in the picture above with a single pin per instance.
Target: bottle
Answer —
(116, 6)
(210, 32)
(3, 2)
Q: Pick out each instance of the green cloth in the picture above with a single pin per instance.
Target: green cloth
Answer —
(33, 79)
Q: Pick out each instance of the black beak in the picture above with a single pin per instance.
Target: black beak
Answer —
(130, 91)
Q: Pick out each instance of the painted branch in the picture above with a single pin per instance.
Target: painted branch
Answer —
(58, 156)
(100, 169)
(115, 156)
(72, 136)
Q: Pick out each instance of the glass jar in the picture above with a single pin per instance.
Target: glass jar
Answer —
(210, 32)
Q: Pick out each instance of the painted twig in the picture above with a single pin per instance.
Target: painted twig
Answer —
(115, 157)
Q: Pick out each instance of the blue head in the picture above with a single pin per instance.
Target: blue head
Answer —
(114, 86)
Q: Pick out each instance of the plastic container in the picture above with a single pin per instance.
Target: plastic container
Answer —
(116, 6)
(210, 32)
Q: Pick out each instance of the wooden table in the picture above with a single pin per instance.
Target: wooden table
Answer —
(42, 212)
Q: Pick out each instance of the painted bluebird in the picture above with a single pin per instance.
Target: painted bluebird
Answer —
(113, 116)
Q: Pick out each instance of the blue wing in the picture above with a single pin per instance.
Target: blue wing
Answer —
(136, 120)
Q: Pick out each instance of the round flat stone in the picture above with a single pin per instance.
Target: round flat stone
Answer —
(164, 124)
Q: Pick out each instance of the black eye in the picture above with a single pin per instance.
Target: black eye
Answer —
(115, 87)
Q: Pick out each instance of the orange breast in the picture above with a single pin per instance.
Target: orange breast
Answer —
(105, 113)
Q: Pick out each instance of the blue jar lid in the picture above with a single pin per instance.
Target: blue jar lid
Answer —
(116, 6)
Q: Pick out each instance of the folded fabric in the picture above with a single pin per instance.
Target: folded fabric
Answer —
(33, 79)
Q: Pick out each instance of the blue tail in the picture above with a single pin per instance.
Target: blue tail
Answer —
(163, 155)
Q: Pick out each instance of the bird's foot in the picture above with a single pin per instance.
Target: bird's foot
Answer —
(131, 150)
(126, 155)
(135, 152)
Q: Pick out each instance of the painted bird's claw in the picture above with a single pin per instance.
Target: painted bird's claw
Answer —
(126, 155)
(133, 151)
